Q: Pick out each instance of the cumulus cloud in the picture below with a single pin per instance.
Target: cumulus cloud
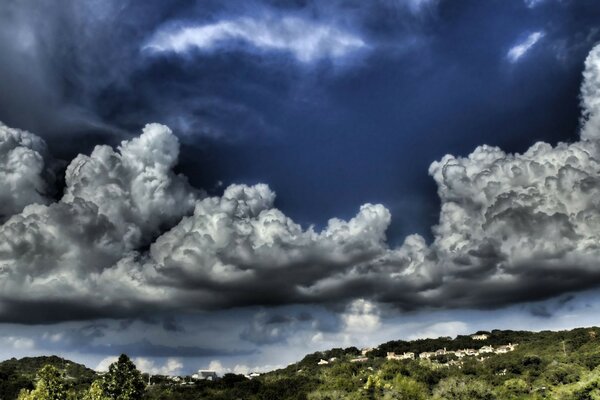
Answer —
(516, 52)
(26, 171)
(243, 369)
(129, 233)
(171, 366)
(307, 41)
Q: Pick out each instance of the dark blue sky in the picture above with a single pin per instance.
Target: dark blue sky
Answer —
(328, 136)
(332, 104)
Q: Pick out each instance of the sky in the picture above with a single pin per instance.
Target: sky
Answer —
(233, 184)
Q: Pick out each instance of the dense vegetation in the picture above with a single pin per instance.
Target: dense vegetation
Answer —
(545, 365)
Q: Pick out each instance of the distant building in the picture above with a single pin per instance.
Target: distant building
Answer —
(252, 375)
(332, 359)
(365, 350)
(505, 349)
(322, 362)
(404, 356)
(481, 336)
(471, 352)
(486, 349)
(440, 352)
(359, 359)
(206, 375)
(426, 354)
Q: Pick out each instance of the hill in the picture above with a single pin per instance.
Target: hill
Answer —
(502, 364)
(20, 374)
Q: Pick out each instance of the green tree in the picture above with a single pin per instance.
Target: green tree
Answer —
(123, 381)
(50, 386)
(95, 392)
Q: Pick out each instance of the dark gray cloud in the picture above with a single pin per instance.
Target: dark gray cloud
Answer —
(130, 234)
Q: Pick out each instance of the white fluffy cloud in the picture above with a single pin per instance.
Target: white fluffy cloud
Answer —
(129, 233)
(25, 171)
(307, 41)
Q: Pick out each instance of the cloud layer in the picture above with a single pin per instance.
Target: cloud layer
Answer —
(307, 41)
(130, 234)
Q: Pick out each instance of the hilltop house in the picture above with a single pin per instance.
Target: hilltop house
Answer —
(365, 350)
(359, 359)
(470, 352)
(505, 349)
(405, 356)
(322, 362)
(426, 354)
(481, 336)
(440, 352)
(486, 349)
(205, 375)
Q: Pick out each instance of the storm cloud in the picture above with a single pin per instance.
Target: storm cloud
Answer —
(130, 234)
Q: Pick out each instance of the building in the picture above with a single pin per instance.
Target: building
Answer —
(365, 350)
(440, 352)
(481, 336)
(206, 375)
(404, 356)
(505, 349)
(322, 362)
(470, 352)
(359, 359)
(252, 375)
(486, 349)
(426, 354)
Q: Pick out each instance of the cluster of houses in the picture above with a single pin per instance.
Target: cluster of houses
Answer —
(482, 352)
(485, 350)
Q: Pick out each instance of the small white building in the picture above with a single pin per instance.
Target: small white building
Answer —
(486, 349)
(481, 336)
(440, 352)
(206, 375)
(426, 354)
(405, 356)
(470, 352)
(322, 362)
(365, 350)
(359, 359)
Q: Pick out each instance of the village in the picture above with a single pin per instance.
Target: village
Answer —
(456, 355)
(450, 358)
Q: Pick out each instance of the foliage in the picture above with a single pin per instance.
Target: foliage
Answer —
(123, 381)
(545, 365)
(51, 385)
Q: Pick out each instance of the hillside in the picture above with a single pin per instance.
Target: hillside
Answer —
(542, 365)
(20, 374)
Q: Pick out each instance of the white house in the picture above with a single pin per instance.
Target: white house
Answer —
(486, 349)
(206, 375)
(481, 336)
(322, 362)
(405, 356)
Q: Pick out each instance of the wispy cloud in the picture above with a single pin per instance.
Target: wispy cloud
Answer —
(516, 52)
(307, 41)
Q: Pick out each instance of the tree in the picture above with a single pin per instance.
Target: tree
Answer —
(123, 381)
(95, 392)
(50, 386)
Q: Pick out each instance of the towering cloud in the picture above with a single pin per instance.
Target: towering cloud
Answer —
(129, 233)
(25, 171)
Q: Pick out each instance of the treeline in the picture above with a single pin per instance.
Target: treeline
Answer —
(545, 365)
